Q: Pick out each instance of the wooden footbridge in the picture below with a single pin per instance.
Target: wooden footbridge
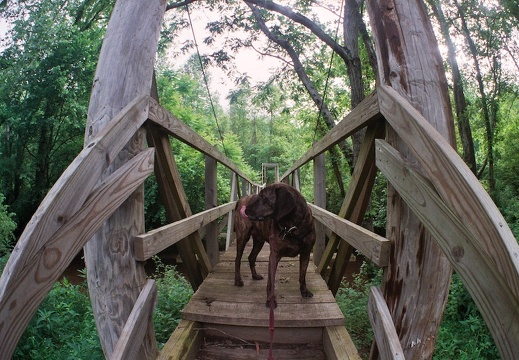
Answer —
(97, 204)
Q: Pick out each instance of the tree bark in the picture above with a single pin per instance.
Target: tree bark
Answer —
(124, 72)
(416, 282)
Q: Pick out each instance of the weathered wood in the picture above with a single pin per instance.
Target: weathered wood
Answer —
(44, 267)
(124, 71)
(366, 112)
(338, 345)
(175, 203)
(211, 201)
(374, 247)
(382, 324)
(184, 133)
(416, 283)
(230, 220)
(319, 200)
(151, 243)
(219, 301)
(354, 205)
(127, 347)
(456, 184)
(184, 343)
(474, 264)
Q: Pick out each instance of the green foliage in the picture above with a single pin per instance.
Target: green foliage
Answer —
(174, 293)
(62, 328)
(7, 227)
(463, 333)
(353, 299)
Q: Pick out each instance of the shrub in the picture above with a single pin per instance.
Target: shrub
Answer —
(174, 292)
(463, 333)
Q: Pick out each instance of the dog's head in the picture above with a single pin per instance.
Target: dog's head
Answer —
(273, 202)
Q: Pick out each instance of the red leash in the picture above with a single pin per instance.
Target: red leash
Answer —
(271, 328)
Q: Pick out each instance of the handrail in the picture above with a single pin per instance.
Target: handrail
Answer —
(179, 130)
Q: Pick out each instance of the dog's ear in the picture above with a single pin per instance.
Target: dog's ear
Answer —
(285, 203)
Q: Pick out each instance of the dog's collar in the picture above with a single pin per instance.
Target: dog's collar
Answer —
(287, 231)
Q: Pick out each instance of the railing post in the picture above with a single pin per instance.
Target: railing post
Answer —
(211, 199)
(230, 220)
(319, 200)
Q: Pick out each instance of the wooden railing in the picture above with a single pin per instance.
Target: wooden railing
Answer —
(75, 208)
(450, 202)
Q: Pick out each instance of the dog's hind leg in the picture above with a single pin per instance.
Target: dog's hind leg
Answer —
(257, 245)
(304, 259)
(240, 246)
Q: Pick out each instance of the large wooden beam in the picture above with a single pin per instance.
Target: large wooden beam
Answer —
(382, 324)
(124, 72)
(127, 347)
(473, 263)
(184, 133)
(456, 184)
(373, 246)
(354, 205)
(151, 243)
(44, 267)
(416, 282)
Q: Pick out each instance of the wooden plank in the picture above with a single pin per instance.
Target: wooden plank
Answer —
(211, 201)
(354, 205)
(151, 243)
(373, 246)
(230, 220)
(184, 133)
(70, 191)
(386, 337)
(44, 267)
(338, 345)
(176, 205)
(184, 343)
(366, 112)
(257, 314)
(482, 279)
(135, 328)
(319, 200)
(455, 183)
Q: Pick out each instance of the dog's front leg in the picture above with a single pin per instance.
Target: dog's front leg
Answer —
(304, 259)
(273, 264)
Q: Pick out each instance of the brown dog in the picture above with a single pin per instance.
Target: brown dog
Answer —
(279, 215)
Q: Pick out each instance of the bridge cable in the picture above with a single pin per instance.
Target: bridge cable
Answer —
(205, 80)
(328, 75)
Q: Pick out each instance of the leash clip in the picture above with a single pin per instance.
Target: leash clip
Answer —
(288, 231)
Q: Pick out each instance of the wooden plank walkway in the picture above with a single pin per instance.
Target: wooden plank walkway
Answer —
(241, 311)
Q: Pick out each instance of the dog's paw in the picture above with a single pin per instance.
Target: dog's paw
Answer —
(257, 277)
(306, 293)
(238, 283)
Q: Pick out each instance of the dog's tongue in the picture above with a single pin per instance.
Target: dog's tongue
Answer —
(242, 212)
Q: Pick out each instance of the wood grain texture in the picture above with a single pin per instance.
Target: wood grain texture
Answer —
(45, 267)
(131, 338)
(373, 246)
(338, 345)
(124, 72)
(366, 112)
(151, 243)
(475, 266)
(184, 343)
(184, 133)
(385, 333)
(219, 301)
(416, 282)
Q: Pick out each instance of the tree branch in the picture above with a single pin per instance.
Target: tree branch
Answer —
(180, 4)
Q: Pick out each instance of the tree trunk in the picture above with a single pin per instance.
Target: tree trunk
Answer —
(124, 72)
(417, 280)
